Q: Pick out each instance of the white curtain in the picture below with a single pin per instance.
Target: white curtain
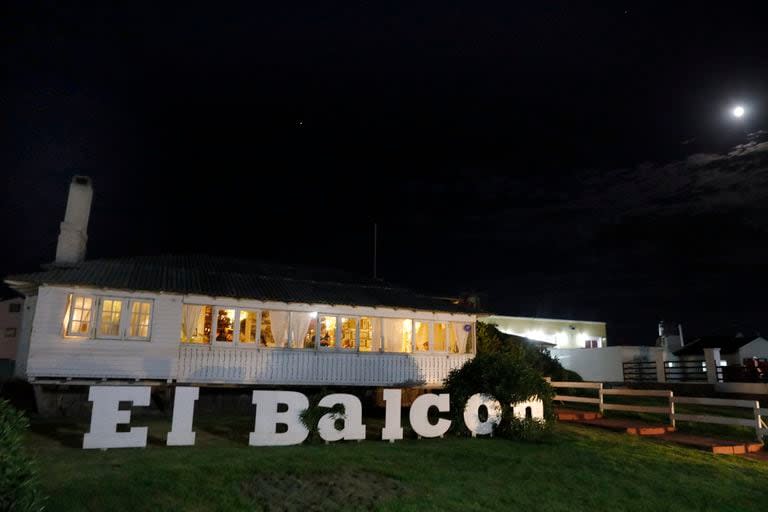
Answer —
(299, 327)
(375, 334)
(279, 320)
(393, 335)
(191, 320)
(461, 337)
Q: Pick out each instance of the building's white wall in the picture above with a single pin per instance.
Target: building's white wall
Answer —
(8, 321)
(603, 364)
(562, 333)
(51, 354)
(755, 348)
(22, 352)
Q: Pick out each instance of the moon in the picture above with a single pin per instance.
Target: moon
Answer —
(738, 111)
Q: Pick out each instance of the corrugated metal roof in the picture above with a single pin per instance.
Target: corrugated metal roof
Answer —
(236, 278)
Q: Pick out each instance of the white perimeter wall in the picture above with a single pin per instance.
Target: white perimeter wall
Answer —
(603, 364)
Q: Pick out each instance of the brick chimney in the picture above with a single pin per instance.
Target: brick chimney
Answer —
(73, 234)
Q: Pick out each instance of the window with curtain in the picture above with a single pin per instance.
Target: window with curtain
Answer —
(79, 315)
(421, 337)
(301, 323)
(397, 334)
(196, 323)
(441, 334)
(248, 326)
(265, 337)
(309, 338)
(109, 318)
(459, 334)
(141, 313)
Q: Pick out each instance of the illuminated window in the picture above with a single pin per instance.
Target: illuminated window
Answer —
(109, 320)
(81, 311)
(303, 329)
(441, 337)
(407, 344)
(590, 344)
(328, 331)
(225, 325)
(266, 338)
(460, 337)
(348, 332)
(141, 313)
(196, 323)
(369, 334)
(421, 339)
(248, 326)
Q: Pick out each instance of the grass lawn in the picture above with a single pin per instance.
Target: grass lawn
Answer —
(578, 469)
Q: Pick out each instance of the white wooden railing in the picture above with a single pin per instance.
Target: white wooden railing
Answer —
(580, 399)
(313, 367)
(756, 422)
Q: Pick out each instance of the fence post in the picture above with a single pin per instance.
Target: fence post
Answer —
(758, 423)
(600, 397)
(672, 409)
(660, 373)
(712, 358)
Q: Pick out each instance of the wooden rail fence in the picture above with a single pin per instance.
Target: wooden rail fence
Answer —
(756, 421)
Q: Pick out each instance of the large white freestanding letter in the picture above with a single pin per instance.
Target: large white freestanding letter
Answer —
(353, 418)
(267, 418)
(419, 415)
(392, 429)
(183, 411)
(472, 414)
(105, 416)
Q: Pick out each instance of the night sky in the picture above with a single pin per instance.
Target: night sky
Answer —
(560, 159)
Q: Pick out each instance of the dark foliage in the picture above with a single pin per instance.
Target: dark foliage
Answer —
(19, 487)
(311, 416)
(492, 341)
(509, 378)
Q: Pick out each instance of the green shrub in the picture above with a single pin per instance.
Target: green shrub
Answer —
(492, 341)
(19, 487)
(311, 416)
(509, 378)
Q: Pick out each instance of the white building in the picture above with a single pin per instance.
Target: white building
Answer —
(204, 320)
(552, 333)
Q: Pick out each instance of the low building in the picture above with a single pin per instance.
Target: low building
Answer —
(734, 350)
(203, 320)
(11, 309)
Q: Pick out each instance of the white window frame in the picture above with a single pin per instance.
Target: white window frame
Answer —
(127, 328)
(214, 327)
(99, 301)
(125, 319)
(71, 311)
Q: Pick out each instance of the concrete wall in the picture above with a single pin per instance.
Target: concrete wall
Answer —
(603, 364)
(10, 327)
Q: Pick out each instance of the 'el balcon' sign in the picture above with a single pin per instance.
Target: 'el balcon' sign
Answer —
(106, 415)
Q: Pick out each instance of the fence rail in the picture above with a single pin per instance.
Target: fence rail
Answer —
(685, 371)
(756, 421)
(639, 371)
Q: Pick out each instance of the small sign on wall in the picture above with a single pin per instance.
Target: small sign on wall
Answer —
(284, 407)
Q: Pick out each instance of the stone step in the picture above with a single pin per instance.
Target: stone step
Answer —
(718, 446)
(575, 415)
